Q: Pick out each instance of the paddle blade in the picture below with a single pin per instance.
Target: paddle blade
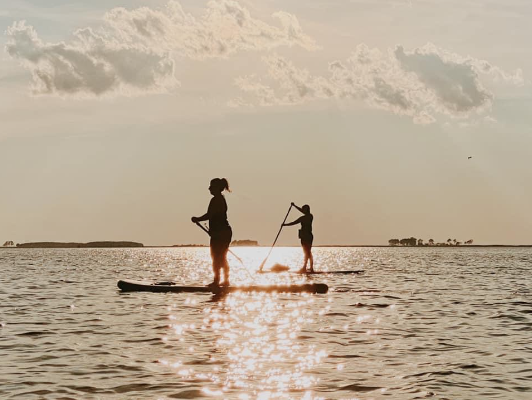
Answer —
(279, 268)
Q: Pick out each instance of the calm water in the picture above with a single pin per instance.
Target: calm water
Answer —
(420, 323)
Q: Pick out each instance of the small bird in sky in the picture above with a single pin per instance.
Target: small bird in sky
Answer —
(469, 157)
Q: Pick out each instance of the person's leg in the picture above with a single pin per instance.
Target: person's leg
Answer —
(311, 258)
(308, 254)
(305, 262)
(225, 263)
(216, 262)
(225, 266)
(305, 252)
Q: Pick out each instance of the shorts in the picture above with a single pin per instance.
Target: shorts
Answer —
(220, 241)
(306, 238)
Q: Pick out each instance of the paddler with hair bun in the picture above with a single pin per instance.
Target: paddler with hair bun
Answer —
(219, 230)
(305, 234)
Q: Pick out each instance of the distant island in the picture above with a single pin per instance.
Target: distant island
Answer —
(412, 241)
(407, 242)
(72, 245)
(244, 243)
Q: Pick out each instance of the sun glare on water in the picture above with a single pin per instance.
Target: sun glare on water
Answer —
(253, 343)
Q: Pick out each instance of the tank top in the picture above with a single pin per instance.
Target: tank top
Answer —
(306, 223)
(217, 214)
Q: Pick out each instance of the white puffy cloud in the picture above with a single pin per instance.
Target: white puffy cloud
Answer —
(422, 84)
(90, 65)
(224, 28)
(454, 82)
(133, 51)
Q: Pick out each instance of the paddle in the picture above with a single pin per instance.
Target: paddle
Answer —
(208, 233)
(276, 237)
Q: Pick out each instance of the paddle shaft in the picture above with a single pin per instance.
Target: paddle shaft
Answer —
(208, 233)
(205, 229)
(276, 237)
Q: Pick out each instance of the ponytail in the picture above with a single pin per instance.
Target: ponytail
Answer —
(220, 184)
(225, 184)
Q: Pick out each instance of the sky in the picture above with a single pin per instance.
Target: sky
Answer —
(115, 115)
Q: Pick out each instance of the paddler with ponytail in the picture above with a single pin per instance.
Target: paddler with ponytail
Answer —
(305, 234)
(219, 229)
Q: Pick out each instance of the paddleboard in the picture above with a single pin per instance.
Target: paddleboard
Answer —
(163, 287)
(360, 271)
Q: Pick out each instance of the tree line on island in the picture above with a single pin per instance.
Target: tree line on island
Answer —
(104, 244)
(72, 245)
(412, 241)
(245, 242)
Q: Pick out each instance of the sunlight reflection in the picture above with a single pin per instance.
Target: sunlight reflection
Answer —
(257, 339)
(363, 319)
(209, 392)
(251, 345)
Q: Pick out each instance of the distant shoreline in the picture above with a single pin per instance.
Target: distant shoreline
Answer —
(75, 245)
(122, 245)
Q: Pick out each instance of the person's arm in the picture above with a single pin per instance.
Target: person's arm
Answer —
(297, 221)
(298, 208)
(205, 216)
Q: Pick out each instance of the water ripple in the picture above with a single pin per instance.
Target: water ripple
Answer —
(419, 323)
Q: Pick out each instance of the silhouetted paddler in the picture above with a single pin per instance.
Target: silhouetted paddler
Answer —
(219, 229)
(305, 234)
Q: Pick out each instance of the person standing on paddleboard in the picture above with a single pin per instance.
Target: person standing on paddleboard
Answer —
(305, 234)
(219, 229)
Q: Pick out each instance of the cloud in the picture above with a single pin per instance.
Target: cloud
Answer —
(133, 51)
(224, 28)
(453, 81)
(90, 65)
(422, 83)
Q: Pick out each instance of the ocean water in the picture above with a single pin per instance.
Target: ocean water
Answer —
(419, 323)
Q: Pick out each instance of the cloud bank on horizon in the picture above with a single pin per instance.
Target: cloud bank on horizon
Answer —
(133, 53)
(422, 83)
